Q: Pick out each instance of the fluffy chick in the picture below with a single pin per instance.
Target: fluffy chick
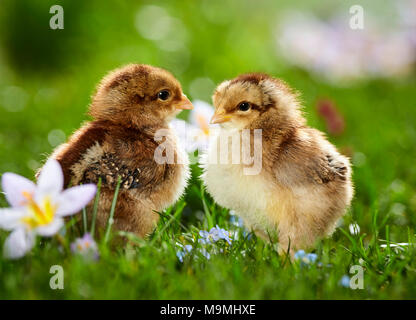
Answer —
(304, 184)
(130, 106)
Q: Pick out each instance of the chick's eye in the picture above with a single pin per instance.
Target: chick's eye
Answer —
(163, 95)
(244, 106)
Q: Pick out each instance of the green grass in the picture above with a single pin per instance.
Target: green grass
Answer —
(249, 268)
(58, 72)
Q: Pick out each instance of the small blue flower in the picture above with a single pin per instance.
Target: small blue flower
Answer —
(221, 234)
(345, 281)
(205, 253)
(205, 237)
(312, 257)
(203, 233)
(305, 258)
(300, 254)
(216, 233)
(236, 221)
(182, 253)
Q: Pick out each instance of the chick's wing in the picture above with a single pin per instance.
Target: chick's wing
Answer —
(72, 151)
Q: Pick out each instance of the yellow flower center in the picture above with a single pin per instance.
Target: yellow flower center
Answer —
(203, 123)
(83, 246)
(38, 215)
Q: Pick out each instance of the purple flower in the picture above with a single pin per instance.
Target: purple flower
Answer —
(86, 247)
(335, 52)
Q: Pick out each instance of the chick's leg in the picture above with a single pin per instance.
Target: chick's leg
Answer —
(130, 215)
(293, 237)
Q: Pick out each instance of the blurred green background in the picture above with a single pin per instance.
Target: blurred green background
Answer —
(47, 76)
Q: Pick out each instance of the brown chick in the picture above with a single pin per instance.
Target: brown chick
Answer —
(130, 106)
(303, 185)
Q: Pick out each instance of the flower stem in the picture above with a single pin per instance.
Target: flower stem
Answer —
(113, 207)
(61, 241)
(84, 219)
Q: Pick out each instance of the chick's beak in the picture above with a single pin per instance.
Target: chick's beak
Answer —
(184, 104)
(220, 118)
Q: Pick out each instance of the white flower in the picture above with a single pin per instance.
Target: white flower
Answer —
(354, 228)
(182, 128)
(201, 115)
(396, 246)
(38, 209)
(195, 134)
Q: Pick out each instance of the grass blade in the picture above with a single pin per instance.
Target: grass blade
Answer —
(113, 207)
(206, 210)
(84, 219)
(172, 218)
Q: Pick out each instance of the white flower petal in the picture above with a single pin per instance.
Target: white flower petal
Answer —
(10, 218)
(201, 111)
(14, 185)
(18, 244)
(74, 199)
(50, 229)
(354, 228)
(186, 134)
(51, 179)
(179, 126)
